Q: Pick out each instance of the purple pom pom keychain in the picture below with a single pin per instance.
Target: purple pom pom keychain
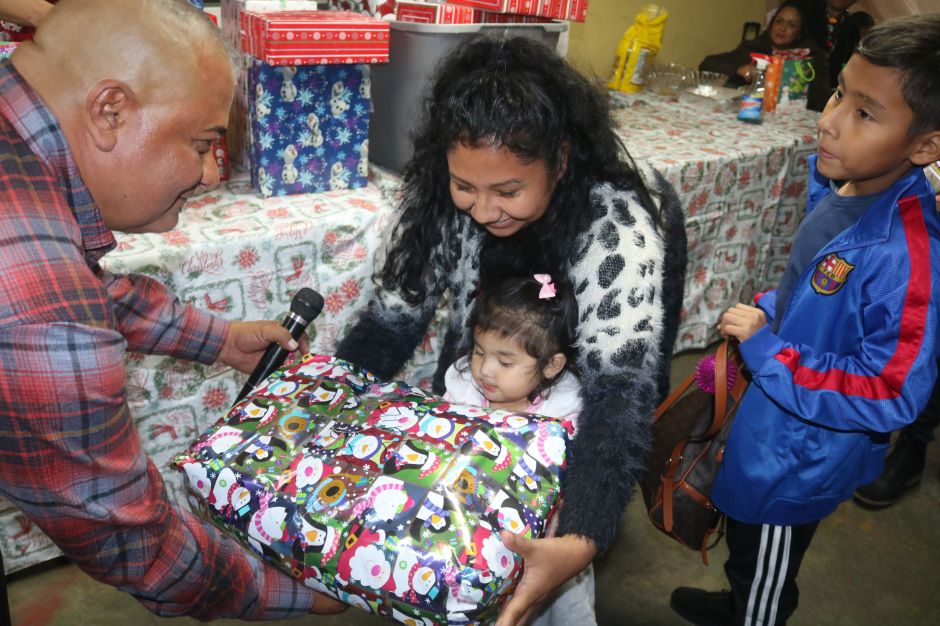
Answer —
(705, 374)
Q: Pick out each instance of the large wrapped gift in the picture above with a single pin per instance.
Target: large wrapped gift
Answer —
(574, 10)
(377, 493)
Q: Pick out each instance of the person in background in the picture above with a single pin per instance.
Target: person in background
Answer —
(864, 21)
(833, 30)
(517, 167)
(787, 30)
(107, 119)
(522, 359)
(843, 352)
(24, 12)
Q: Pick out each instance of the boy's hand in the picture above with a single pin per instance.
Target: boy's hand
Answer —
(741, 321)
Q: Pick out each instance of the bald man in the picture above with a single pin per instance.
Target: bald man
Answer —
(107, 119)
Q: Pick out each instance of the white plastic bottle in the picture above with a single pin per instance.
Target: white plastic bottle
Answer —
(752, 103)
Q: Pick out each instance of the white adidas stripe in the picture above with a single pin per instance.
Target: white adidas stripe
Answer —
(767, 590)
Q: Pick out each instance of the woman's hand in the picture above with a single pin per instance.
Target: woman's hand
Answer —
(325, 605)
(247, 341)
(747, 72)
(549, 563)
(741, 321)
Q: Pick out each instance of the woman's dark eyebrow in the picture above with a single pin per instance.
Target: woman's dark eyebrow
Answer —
(502, 183)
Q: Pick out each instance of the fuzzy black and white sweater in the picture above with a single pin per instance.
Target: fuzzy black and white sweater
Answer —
(628, 272)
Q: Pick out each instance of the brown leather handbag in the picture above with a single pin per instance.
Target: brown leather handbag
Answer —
(689, 434)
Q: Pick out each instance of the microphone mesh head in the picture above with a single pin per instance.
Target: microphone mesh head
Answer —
(306, 304)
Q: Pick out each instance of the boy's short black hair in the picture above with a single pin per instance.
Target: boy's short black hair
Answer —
(912, 46)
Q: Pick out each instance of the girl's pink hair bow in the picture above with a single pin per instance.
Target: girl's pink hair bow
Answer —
(548, 287)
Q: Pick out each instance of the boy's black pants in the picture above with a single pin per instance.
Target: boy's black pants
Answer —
(762, 565)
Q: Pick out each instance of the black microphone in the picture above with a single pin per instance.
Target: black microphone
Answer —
(304, 307)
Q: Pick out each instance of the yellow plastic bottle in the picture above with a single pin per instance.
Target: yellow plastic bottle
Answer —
(637, 48)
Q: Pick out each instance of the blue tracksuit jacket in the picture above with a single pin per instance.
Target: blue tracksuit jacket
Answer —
(854, 359)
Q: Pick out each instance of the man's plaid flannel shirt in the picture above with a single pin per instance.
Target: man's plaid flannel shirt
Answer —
(70, 455)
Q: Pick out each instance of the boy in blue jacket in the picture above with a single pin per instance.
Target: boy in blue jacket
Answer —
(845, 350)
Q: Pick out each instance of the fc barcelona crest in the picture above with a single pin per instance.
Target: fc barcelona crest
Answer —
(831, 274)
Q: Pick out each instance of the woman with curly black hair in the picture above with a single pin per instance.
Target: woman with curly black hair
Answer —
(517, 169)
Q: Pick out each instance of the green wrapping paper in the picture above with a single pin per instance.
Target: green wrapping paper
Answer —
(377, 493)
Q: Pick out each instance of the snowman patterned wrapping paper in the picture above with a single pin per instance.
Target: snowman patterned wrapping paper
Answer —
(309, 127)
(378, 493)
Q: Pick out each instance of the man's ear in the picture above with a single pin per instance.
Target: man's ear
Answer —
(927, 149)
(555, 365)
(107, 106)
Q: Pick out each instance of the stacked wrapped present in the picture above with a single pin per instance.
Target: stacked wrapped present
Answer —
(377, 493)
(489, 11)
(300, 121)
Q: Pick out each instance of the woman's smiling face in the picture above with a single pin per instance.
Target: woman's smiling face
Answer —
(500, 191)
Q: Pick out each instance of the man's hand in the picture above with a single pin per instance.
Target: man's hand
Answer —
(549, 563)
(741, 321)
(247, 341)
(24, 12)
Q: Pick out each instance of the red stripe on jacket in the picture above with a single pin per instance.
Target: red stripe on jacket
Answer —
(888, 384)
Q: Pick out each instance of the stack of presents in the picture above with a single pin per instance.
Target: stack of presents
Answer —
(300, 120)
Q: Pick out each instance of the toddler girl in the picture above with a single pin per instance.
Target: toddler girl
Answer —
(522, 360)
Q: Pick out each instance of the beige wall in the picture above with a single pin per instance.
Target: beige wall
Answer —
(694, 28)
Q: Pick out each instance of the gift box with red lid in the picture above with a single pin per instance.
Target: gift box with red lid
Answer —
(435, 13)
(309, 98)
(314, 37)
(574, 10)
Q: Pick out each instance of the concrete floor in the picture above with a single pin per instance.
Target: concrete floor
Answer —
(864, 568)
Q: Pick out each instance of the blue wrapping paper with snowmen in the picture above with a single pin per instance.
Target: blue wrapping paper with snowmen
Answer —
(377, 493)
(309, 127)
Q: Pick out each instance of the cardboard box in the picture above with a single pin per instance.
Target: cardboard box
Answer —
(574, 10)
(376, 493)
(309, 127)
(314, 37)
(435, 13)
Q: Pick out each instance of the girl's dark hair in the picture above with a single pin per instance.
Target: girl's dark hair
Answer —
(542, 326)
(911, 45)
(518, 94)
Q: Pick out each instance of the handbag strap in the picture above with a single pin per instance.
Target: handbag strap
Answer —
(721, 385)
(676, 393)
